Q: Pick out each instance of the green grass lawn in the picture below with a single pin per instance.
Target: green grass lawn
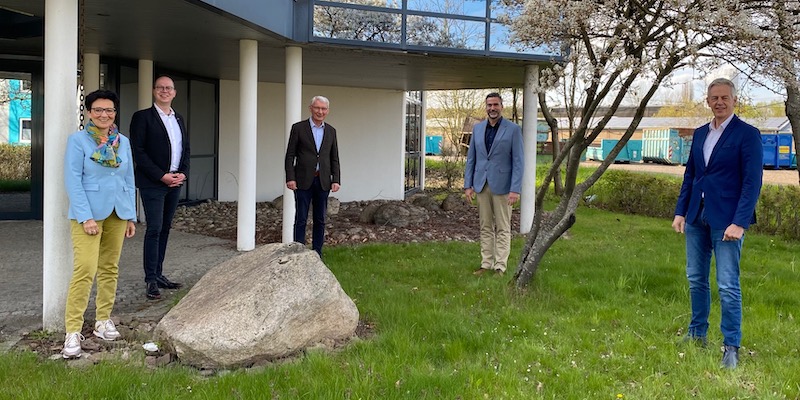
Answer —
(600, 322)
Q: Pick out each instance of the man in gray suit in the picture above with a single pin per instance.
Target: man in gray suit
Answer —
(312, 170)
(495, 164)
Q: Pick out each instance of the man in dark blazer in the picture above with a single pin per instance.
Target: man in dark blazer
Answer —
(494, 169)
(161, 157)
(716, 205)
(312, 170)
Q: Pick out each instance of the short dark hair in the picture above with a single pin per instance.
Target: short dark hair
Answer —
(494, 94)
(162, 76)
(101, 94)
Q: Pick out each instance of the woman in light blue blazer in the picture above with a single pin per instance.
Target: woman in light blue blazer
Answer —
(98, 173)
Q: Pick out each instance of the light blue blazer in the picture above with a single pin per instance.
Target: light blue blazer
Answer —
(94, 190)
(502, 168)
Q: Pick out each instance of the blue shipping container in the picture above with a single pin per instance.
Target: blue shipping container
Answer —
(433, 145)
(777, 150)
(665, 146)
(632, 152)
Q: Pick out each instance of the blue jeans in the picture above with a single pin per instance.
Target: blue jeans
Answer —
(701, 240)
(159, 208)
(317, 198)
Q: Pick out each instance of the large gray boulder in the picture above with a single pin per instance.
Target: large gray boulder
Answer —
(400, 214)
(263, 305)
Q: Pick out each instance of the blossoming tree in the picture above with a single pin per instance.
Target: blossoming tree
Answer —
(615, 46)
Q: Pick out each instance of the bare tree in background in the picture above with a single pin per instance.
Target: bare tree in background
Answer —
(453, 110)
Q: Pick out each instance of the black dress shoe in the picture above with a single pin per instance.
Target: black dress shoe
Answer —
(152, 291)
(165, 283)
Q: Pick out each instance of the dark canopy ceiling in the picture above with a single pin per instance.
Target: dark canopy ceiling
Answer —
(198, 39)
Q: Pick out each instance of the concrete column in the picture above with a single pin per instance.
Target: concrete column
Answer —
(60, 49)
(423, 116)
(530, 100)
(294, 107)
(248, 118)
(145, 100)
(91, 72)
(146, 79)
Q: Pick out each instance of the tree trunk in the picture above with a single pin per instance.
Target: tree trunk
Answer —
(793, 113)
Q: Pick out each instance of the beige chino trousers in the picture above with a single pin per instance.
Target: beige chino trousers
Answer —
(495, 221)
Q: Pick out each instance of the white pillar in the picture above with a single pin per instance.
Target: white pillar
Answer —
(423, 116)
(248, 117)
(294, 107)
(145, 100)
(60, 49)
(146, 79)
(530, 100)
(91, 72)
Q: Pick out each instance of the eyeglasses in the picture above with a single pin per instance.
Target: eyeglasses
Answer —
(319, 109)
(164, 88)
(100, 111)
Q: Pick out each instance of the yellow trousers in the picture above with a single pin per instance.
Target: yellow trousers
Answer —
(495, 222)
(95, 256)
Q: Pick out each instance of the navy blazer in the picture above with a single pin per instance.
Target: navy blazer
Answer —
(503, 166)
(94, 190)
(731, 182)
(152, 152)
(302, 156)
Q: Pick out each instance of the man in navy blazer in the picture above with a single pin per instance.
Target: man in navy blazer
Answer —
(312, 170)
(716, 205)
(495, 164)
(161, 157)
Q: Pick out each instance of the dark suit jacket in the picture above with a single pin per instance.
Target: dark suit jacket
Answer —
(151, 147)
(302, 156)
(731, 182)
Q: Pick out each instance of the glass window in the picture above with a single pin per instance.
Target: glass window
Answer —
(376, 3)
(25, 128)
(354, 24)
(472, 8)
(446, 32)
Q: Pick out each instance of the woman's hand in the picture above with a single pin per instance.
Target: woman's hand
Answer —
(90, 227)
(130, 230)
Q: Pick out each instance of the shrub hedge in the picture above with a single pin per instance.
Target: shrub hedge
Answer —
(15, 162)
(651, 195)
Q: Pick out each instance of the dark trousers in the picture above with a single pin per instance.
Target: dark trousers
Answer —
(159, 208)
(317, 198)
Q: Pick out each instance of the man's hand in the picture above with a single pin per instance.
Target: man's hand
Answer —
(173, 179)
(334, 187)
(513, 198)
(679, 224)
(469, 193)
(732, 233)
(291, 185)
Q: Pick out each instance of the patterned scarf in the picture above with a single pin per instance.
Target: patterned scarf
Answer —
(107, 145)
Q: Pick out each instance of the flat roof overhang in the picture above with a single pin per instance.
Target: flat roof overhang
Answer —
(195, 38)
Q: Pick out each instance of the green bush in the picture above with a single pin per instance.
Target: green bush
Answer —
(636, 193)
(656, 195)
(15, 162)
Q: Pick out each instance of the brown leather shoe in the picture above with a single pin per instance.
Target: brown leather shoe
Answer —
(499, 272)
(481, 271)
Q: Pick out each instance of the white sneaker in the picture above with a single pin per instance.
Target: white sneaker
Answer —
(72, 345)
(106, 330)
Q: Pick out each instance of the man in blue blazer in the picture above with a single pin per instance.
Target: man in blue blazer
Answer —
(495, 164)
(161, 156)
(716, 205)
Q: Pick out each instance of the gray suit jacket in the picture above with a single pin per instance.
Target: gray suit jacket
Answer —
(302, 157)
(503, 166)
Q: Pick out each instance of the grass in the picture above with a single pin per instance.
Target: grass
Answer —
(600, 322)
(12, 185)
